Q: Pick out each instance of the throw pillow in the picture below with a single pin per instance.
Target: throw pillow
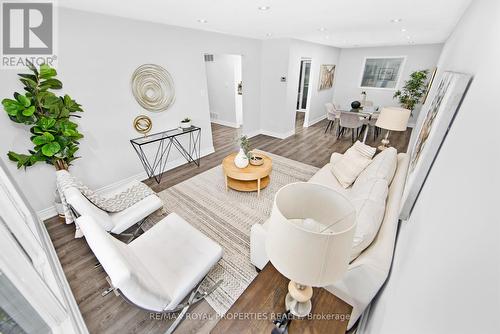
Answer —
(369, 201)
(383, 166)
(352, 163)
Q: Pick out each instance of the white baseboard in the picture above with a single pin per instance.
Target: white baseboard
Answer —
(225, 123)
(278, 135)
(51, 211)
(270, 133)
(47, 213)
(314, 121)
(253, 133)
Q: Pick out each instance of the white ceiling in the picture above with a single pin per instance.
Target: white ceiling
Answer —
(342, 23)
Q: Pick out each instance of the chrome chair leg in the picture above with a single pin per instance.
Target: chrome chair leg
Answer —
(194, 298)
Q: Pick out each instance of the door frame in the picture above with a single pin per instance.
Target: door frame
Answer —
(29, 260)
(300, 93)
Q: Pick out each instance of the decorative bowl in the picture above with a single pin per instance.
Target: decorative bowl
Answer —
(256, 160)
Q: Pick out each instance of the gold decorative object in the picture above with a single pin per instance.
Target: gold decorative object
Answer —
(153, 87)
(143, 124)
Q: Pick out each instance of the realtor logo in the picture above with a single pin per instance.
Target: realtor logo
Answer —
(27, 33)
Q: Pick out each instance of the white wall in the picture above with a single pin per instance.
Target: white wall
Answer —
(446, 271)
(319, 54)
(281, 58)
(97, 55)
(222, 88)
(348, 80)
(274, 61)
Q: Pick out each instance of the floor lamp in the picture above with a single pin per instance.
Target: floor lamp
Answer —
(392, 119)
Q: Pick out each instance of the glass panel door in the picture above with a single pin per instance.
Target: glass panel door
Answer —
(304, 78)
(16, 313)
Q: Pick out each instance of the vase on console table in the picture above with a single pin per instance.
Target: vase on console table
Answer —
(241, 159)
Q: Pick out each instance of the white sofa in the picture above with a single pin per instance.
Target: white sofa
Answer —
(368, 271)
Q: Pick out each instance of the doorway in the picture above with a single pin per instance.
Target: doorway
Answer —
(304, 79)
(304, 92)
(225, 89)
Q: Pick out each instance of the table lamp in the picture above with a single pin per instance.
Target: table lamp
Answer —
(311, 229)
(392, 119)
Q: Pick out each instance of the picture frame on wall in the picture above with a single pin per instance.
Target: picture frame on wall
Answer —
(326, 76)
(382, 72)
(429, 85)
(431, 132)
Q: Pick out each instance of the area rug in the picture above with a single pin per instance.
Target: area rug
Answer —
(226, 217)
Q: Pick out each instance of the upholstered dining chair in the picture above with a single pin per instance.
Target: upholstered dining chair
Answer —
(162, 270)
(369, 123)
(350, 121)
(114, 222)
(332, 115)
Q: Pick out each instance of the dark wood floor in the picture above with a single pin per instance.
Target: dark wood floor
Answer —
(111, 314)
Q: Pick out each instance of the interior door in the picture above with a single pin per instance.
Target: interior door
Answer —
(34, 294)
(304, 78)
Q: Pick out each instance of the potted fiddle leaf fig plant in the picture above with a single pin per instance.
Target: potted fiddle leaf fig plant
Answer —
(54, 135)
(413, 90)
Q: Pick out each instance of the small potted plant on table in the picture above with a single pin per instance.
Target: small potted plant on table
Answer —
(186, 123)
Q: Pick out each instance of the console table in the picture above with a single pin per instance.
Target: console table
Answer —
(164, 142)
(264, 299)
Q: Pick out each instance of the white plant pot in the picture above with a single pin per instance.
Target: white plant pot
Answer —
(186, 125)
(60, 209)
(241, 160)
(58, 204)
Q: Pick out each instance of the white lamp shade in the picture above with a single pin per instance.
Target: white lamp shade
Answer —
(393, 118)
(310, 236)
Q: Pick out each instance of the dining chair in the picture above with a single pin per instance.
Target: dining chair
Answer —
(369, 123)
(332, 114)
(350, 121)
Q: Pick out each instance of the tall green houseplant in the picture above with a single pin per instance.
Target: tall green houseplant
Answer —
(413, 90)
(53, 134)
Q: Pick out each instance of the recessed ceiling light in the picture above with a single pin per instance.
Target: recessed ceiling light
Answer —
(202, 21)
(408, 37)
(322, 29)
(264, 7)
(396, 20)
(403, 30)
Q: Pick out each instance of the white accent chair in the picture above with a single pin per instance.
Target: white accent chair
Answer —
(367, 272)
(113, 222)
(158, 270)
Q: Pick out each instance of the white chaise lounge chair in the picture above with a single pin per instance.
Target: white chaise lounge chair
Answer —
(115, 222)
(159, 269)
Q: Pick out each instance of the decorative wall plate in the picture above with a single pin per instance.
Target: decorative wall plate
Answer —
(153, 87)
(143, 124)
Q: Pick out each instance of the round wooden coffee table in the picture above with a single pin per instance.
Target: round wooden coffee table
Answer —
(250, 178)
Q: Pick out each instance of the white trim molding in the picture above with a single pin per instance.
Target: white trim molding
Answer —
(277, 135)
(225, 123)
(51, 211)
(314, 121)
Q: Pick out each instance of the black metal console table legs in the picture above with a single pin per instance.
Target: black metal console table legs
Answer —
(165, 141)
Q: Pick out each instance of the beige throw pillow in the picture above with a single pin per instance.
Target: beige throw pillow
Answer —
(369, 199)
(383, 166)
(352, 163)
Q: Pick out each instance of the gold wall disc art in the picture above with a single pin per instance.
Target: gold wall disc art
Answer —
(143, 124)
(153, 87)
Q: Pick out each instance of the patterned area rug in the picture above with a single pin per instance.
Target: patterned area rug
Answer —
(226, 217)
